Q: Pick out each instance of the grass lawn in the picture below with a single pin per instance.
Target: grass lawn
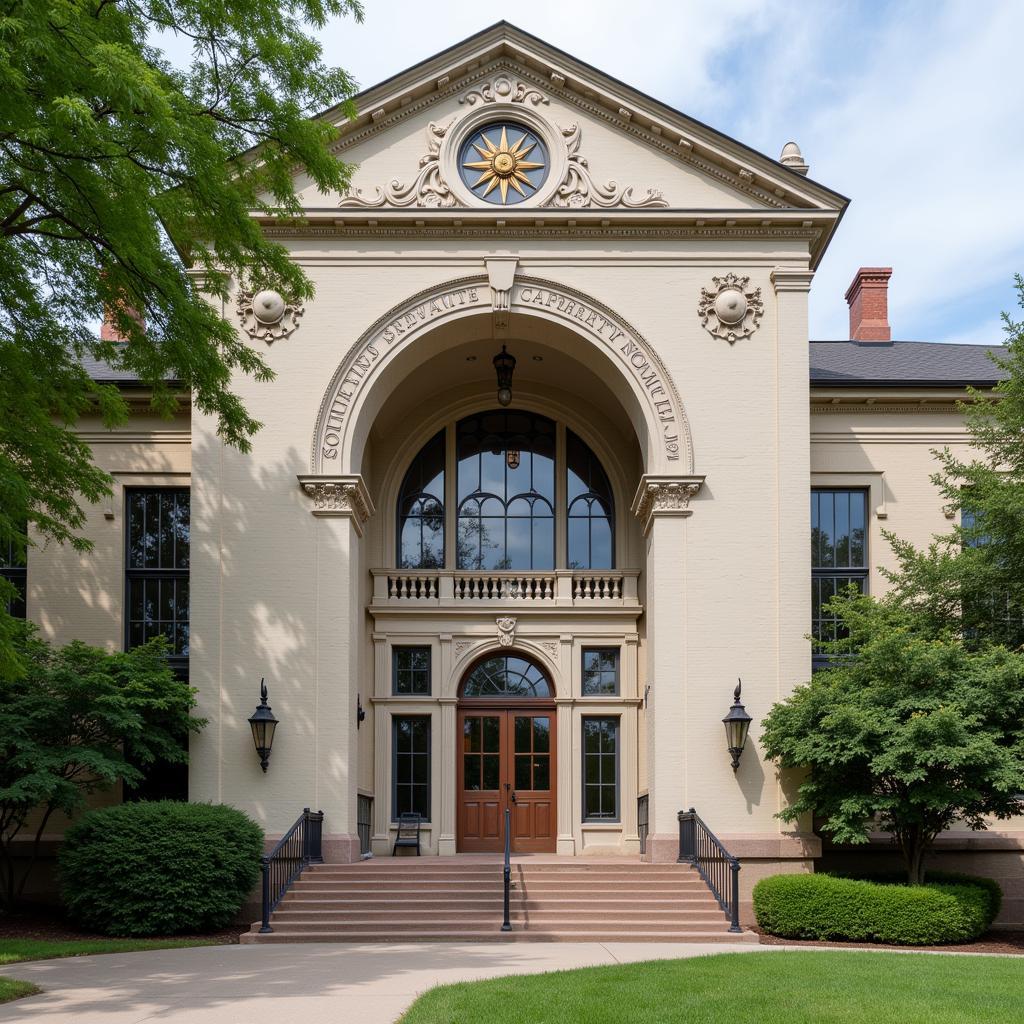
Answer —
(14, 950)
(11, 989)
(745, 988)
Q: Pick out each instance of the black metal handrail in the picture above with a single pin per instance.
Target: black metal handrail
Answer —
(364, 822)
(643, 810)
(699, 846)
(299, 847)
(506, 924)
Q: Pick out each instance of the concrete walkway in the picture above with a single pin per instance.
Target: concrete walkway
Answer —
(295, 984)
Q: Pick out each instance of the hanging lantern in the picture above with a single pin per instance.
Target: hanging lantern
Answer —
(504, 367)
(263, 723)
(737, 725)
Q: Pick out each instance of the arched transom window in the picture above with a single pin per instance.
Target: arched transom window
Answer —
(507, 675)
(506, 490)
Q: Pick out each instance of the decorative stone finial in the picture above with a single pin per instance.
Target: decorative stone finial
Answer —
(793, 158)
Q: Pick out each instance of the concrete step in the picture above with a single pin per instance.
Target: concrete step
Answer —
(481, 922)
(519, 900)
(392, 935)
(412, 919)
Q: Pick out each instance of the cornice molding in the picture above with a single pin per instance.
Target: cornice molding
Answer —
(338, 496)
(664, 496)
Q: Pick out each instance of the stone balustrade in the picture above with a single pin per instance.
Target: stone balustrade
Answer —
(454, 588)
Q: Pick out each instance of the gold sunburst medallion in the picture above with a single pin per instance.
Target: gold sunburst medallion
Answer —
(510, 160)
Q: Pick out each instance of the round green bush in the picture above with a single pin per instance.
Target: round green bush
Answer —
(847, 909)
(160, 868)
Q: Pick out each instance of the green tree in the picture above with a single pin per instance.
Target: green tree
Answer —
(128, 184)
(972, 579)
(77, 721)
(907, 731)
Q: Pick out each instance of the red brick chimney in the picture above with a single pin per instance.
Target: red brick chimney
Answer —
(108, 329)
(868, 298)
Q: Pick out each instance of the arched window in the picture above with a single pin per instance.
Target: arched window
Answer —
(506, 515)
(507, 675)
(421, 509)
(506, 490)
(591, 508)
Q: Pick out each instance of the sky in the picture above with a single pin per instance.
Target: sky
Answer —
(910, 109)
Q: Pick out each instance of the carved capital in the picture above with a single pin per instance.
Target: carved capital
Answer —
(664, 496)
(339, 496)
(501, 273)
(791, 279)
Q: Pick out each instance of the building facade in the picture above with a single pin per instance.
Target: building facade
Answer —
(463, 599)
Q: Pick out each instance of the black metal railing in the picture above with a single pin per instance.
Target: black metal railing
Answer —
(299, 847)
(699, 846)
(643, 805)
(364, 819)
(506, 924)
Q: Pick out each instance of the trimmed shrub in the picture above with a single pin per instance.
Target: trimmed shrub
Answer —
(956, 909)
(159, 868)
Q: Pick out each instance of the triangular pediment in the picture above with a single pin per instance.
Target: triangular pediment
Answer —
(608, 148)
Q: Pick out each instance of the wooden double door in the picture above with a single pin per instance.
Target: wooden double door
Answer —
(506, 759)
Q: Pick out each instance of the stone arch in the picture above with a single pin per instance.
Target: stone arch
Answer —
(638, 378)
(480, 648)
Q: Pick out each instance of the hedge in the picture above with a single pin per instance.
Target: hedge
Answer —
(159, 868)
(952, 909)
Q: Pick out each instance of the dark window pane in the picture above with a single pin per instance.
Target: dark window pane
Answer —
(523, 735)
(492, 771)
(541, 735)
(471, 772)
(421, 509)
(492, 734)
(600, 671)
(523, 772)
(542, 772)
(410, 671)
(590, 508)
(471, 735)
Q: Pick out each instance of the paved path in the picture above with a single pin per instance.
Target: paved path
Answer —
(294, 984)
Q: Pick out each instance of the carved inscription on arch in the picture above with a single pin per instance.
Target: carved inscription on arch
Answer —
(383, 337)
(616, 337)
(529, 297)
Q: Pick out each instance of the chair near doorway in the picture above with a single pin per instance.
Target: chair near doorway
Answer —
(408, 832)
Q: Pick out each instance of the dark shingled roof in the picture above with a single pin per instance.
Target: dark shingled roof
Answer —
(833, 364)
(903, 363)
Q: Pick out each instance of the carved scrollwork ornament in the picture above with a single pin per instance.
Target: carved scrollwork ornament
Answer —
(579, 189)
(267, 315)
(503, 90)
(427, 189)
(506, 630)
(729, 310)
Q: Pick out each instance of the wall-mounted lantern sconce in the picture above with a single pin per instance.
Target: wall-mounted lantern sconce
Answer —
(737, 725)
(504, 367)
(263, 723)
(360, 711)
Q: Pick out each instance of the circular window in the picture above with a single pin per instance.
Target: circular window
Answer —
(503, 163)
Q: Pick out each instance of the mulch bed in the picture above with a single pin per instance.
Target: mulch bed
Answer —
(50, 923)
(990, 942)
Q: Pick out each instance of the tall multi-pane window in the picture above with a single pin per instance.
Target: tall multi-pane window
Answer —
(590, 525)
(13, 568)
(410, 746)
(157, 568)
(421, 509)
(509, 514)
(506, 491)
(600, 769)
(995, 614)
(839, 554)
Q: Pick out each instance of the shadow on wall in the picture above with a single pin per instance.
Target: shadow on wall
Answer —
(254, 613)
